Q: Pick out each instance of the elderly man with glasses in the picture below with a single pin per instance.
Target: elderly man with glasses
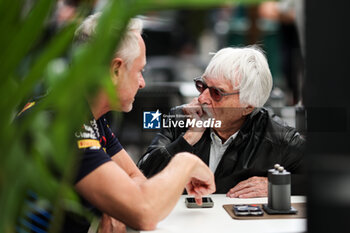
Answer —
(249, 141)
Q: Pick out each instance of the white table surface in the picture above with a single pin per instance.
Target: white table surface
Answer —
(217, 220)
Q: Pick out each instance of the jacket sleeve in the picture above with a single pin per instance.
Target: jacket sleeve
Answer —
(294, 157)
(167, 143)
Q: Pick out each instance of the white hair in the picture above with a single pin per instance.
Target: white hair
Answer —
(128, 49)
(248, 71)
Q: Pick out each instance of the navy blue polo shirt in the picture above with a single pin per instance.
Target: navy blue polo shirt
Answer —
(97, 143)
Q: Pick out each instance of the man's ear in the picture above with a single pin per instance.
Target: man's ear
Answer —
(247, 110)
(116, 66)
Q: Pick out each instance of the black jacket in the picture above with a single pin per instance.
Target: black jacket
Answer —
(263, 141)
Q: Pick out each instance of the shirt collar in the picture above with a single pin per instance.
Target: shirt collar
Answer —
(217, 140)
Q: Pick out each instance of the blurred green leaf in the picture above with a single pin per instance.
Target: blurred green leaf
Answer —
(38, 149)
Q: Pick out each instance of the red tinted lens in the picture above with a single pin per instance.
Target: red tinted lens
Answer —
(215, 94)
(200, 86)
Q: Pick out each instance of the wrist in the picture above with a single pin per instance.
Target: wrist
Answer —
(187, 160)
(190, 137)
(186, 156)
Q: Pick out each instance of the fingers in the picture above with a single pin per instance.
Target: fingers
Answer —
(105, 224)
(253, 194)
(243, 192)
(197, 196)
(198, 199)
(191, 190)
(118, 227)
(249, 193)
(111, 225)
(202, 181)
(210, 188)
(252, 187)
(195, 112)
(196, 193)
(199, 189)
(241, 185)
(205, 178)
(202, 190)
(194, 109)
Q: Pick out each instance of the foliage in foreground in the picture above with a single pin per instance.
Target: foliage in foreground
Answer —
(40, 144)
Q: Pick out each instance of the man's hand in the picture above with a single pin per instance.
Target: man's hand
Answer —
(202, 181)
(197, 189)
(195, 111)
(111, 225)
(250, 188)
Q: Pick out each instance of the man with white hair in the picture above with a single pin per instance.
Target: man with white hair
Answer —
(107, 177)
(249, 141)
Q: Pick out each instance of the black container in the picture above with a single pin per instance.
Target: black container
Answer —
(269, 191)
(279, 192)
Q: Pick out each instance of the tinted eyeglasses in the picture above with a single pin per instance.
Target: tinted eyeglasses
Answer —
(215, 93)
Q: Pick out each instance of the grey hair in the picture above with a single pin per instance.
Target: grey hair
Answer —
(248, 71)
(128, 49)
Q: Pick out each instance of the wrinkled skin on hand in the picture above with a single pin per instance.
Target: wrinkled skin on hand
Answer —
(250, 188)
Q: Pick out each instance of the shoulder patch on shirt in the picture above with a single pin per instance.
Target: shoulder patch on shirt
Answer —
(27, 106)
(89, 143)
(88, 132)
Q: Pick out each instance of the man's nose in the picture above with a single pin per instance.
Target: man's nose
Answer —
(204, 98)
(142, 82)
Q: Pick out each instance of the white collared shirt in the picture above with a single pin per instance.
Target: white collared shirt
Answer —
(217, 149)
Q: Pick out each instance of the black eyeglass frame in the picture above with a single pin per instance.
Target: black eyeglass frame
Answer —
(211, 89)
